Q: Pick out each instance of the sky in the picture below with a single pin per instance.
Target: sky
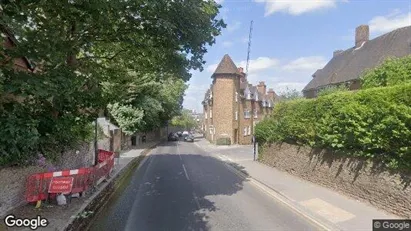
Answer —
(291, 39)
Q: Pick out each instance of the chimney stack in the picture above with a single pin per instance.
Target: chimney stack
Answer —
(362, 34)
(271, 94)
(261, 88)
(242, 74)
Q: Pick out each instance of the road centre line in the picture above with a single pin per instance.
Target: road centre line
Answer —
(185, 172)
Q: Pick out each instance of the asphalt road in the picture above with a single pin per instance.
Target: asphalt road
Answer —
(181, 187)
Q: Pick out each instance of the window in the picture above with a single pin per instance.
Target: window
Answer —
(236, 96)
(211, 113)
(245, 132)
(248, 95)
(206, 115)
(249, 130)
(255, 113)
(211, 94)
(256, 97)
(236, 115)
(247, 114)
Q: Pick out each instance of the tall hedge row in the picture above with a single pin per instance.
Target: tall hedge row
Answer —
(373, 123)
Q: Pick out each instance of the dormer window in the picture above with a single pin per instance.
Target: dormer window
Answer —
(256, 97)
(211, 94)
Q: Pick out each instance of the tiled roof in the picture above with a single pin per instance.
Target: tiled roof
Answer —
(350, 64)
(226, 66)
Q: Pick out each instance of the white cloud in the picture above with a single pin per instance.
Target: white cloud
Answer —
(392, 21)
(278, 74)
(256, 65)
(259, 64)
(310, 63)
(233, 26)
(227, 44)
(295, 7)
(219, 1)
(244, 39)
(211, 68)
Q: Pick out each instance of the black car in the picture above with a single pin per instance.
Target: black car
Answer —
(179, 134)
(172, 137)
(189, 138)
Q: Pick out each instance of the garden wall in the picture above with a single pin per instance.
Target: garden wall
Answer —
(366, 181)
(13, 179)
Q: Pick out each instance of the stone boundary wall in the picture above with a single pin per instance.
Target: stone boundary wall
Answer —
(357, 178)
(13, 179)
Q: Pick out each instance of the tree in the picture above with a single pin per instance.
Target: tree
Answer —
(393, 71)
(92, 54)
(290, 94)
(185, 120)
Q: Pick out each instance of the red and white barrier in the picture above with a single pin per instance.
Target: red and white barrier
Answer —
(37, 184)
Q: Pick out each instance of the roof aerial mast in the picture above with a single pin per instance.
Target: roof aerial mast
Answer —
(249, 48)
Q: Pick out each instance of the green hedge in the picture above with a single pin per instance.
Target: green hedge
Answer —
(373, 123)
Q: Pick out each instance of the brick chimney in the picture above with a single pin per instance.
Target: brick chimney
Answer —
(337, 52)
(362, 34)
(261, 88)
(271, 94)
(242, 75)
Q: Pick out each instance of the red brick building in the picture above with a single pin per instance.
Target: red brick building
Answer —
(232, 106)
(346, 66)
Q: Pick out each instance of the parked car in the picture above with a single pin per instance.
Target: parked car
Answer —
(179, 133)
(173, 137)
(189, 138)
(186, 133)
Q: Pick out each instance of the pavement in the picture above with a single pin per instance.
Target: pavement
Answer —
(180, 186)
(330, 209)
(60, 217)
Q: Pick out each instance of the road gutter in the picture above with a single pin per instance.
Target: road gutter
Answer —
(278, 196)
(99, 198)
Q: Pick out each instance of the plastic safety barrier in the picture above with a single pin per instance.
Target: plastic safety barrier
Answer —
(37, 184)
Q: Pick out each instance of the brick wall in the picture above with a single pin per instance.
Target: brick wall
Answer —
(357, 178)
(245, 123)
(223, 108)
(12, 180)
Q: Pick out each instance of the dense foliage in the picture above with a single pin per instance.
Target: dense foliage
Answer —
(391, 72)
(332, 89)
(373, 123)
(134, 56)
(184, 120)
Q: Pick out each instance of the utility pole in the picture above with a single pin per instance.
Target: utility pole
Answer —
(249, 48)
(255, 146)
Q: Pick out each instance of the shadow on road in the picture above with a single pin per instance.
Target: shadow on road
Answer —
(164, 195)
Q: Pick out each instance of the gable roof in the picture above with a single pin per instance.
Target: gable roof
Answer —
(9, 35)
(226, 66)
(350, 64)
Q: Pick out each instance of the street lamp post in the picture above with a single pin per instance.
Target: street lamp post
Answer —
(95, 143)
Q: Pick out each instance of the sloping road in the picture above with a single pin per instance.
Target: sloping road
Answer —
(181, 187)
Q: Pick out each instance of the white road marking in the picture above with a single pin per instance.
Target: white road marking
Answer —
(180, 156)
(278, 197)
(196, 200)
(327, 210)
(185, 172)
